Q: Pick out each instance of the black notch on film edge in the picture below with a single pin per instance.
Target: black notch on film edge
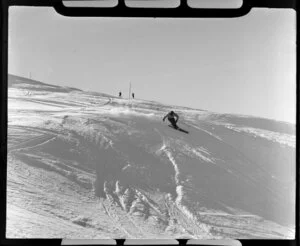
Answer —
(182, 11)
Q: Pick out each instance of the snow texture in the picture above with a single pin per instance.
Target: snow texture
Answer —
(86, 165)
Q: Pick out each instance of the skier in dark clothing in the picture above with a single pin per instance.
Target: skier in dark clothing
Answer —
(173, 118)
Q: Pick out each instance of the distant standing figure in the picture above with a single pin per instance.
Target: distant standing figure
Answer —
(171, 117)
(120, 94)
(133, 95)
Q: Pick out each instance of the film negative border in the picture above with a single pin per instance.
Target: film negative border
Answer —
(182, 11)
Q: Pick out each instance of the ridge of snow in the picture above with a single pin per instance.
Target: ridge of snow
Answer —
(89, 162)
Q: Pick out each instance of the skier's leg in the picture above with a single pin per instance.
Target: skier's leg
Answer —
(173, 122)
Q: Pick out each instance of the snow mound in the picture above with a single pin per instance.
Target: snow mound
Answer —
(88, 165)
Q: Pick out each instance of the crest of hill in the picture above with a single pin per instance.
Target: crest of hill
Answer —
(232, 119)
(34, 85)
(30, 84)
(254, 122)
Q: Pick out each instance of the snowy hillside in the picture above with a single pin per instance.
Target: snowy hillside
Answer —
(89, 165)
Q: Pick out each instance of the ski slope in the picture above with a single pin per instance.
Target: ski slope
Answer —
(89, 165)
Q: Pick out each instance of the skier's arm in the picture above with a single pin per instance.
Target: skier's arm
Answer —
(166, 116)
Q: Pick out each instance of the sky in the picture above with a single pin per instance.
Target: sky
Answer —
(244, 65)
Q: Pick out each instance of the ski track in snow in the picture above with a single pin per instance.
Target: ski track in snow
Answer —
(203, 230)
(90, 162)
(18, 148)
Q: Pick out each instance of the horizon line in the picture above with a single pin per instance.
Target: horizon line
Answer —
(166, 104)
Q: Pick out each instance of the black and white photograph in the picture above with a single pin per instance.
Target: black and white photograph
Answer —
(151, 128)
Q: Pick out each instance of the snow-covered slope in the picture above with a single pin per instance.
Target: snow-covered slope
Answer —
(89, 165)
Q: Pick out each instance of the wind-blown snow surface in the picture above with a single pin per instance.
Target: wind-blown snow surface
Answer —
(87, 165)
